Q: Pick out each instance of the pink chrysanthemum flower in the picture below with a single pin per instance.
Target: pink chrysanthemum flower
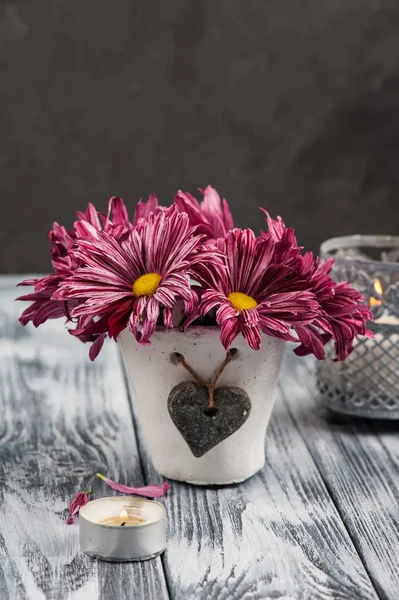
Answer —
(251, 297)
(144, 209)
(65, 263)
(212, 216)
(116, 223)
(44, 307)
(126, 283)
(286, 249)
(342, 315)
(110, 273)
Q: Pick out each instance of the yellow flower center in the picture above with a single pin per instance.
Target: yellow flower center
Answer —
(242, 301)
(146, 285)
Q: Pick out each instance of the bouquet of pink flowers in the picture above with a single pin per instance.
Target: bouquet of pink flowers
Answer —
(187, 265)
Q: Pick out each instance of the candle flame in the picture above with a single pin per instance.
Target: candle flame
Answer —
(124, 514)
(378, 287)
(375, 302)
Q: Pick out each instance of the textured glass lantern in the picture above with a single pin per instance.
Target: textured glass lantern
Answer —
(367, 383)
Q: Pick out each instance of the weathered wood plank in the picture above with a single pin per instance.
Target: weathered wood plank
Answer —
(62, 420)
(359, 461)
(278, 535)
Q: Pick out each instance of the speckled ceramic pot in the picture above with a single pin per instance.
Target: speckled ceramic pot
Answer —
(152, 376)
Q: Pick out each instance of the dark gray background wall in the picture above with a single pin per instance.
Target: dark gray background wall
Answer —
(289, 104)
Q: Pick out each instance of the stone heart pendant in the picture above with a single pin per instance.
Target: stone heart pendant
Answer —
(203, 427)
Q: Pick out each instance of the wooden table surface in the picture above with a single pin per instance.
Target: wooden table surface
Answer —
(321, 520)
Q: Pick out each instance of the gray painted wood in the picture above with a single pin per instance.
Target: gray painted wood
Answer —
(320, 521)
(62, 420)
(359, 461)
(277, 535)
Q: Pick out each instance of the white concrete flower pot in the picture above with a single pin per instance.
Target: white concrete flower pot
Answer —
(152, 376)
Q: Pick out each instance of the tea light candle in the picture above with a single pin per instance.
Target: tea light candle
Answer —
(122, 528)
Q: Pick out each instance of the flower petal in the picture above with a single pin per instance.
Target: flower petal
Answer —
(150, 491)
(81, 499)
(230, 329)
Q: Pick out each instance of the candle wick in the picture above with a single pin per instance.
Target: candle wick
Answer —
(124, 523)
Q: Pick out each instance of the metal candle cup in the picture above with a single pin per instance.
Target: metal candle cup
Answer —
(367, 383)
(118, 542)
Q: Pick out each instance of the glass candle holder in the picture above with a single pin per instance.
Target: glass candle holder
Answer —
(367, 383)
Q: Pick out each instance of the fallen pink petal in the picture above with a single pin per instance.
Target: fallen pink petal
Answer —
(154, 490)
(78, 501)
